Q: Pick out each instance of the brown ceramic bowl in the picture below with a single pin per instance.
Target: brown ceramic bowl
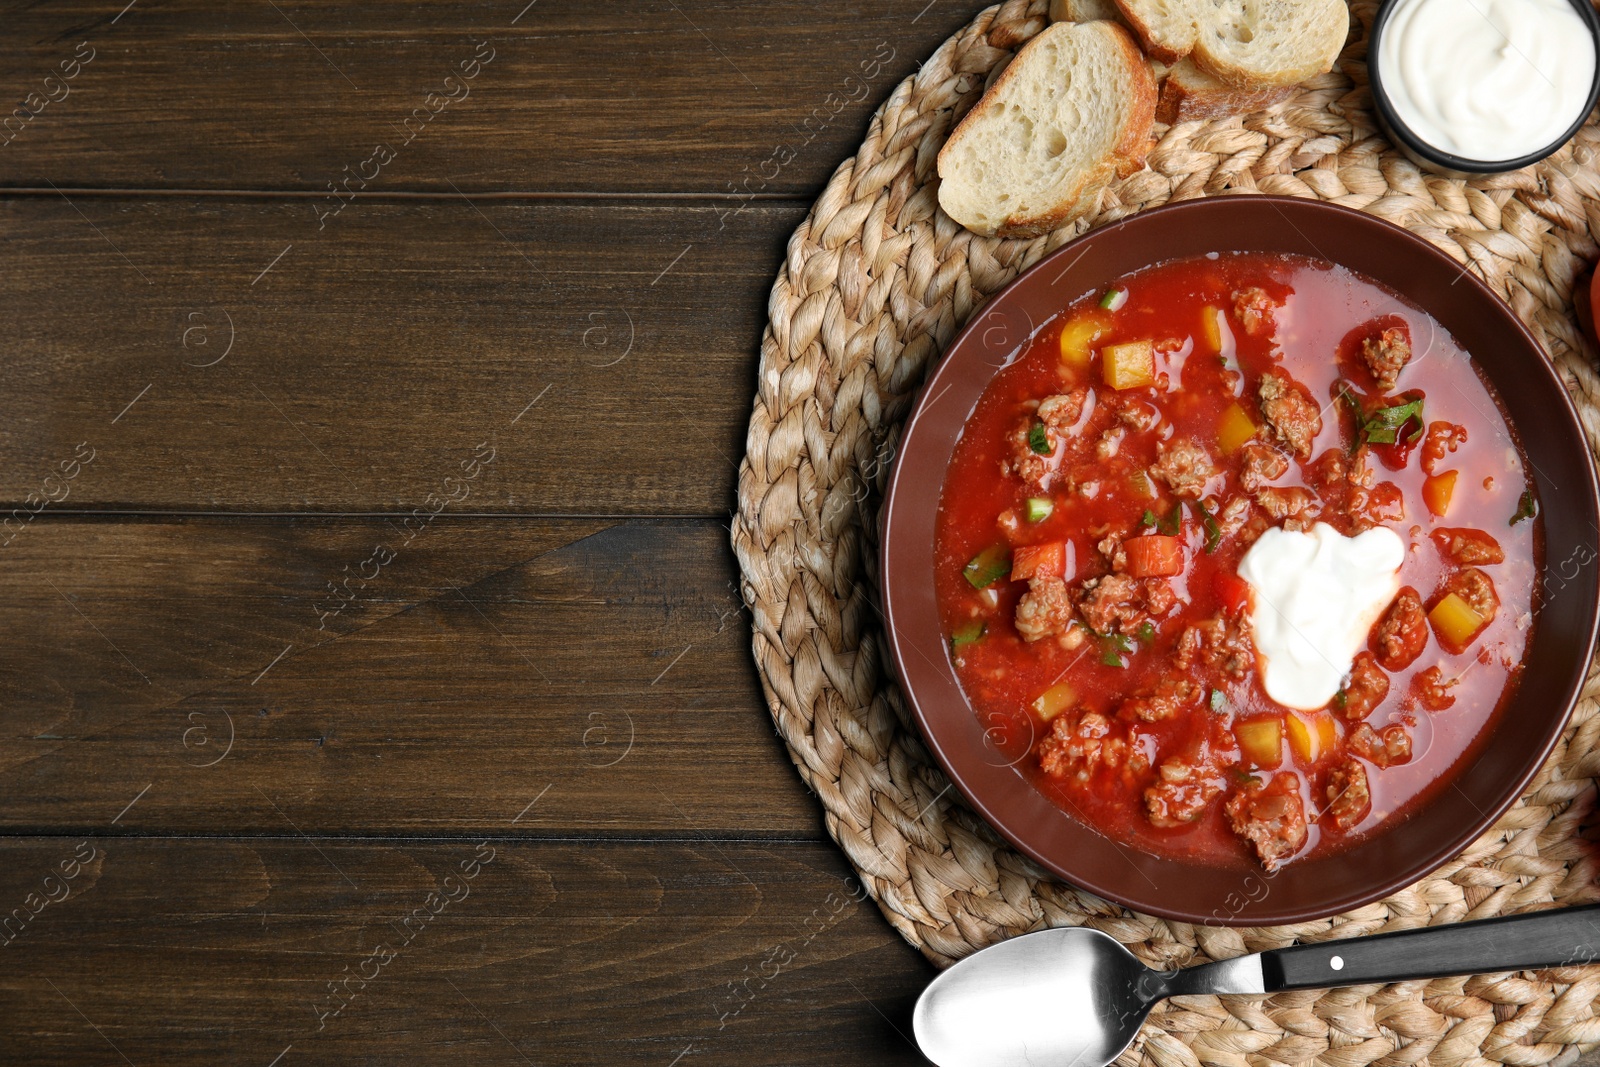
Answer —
(1557, 659)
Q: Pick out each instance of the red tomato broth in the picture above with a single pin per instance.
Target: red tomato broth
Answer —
(1324, 311)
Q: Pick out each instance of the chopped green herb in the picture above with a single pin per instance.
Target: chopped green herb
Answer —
(1244, 777)
(1147, 632)
(1039, 439)
(1219, 701)
(1169, 524)
(1039, 508)
(1527, 507)
(1348, 398)
(1341, 698)
(966, 635)
(1112, 648)
(988, 567)
(1213, 531)
(1114, 299)
(1382, 425)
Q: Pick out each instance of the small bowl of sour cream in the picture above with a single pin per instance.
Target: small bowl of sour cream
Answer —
(1471, 87)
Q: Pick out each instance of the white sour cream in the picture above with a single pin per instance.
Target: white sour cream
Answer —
(1316, 596)
(1487, 80)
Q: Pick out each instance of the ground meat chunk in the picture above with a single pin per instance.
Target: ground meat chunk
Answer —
(1387, 354)
(1141, 415)
(1289, 409)
(1271, 817)
(1477, 589)
(1260, 464)
(1078, 747)
(1442, 438)
(1170, 696)
(1110, 546)
(1185, 466)
(1117, 603)
(1110, 443)
(1235, 514)
(1221, 644)
(1034, 469)
(1045, 610)
(1253, 307)
(1383, 503)
(1383, 748)
(1349, 799)
(1432, 689)
(1401, 634)
(1337, 471)
(1365, 690)
(1062, 411)
(1159, 597)
(1462, 545)
(1329, 472)
(1059, 415)
(1295, 507)
(1181, 795)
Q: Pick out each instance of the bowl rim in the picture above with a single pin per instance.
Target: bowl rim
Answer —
(1416, 146)
(1423, 861)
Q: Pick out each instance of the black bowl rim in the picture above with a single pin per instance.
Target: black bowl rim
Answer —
(1413, 143)
(1431, 859)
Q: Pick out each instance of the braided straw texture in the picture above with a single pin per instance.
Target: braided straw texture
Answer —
(875, 283)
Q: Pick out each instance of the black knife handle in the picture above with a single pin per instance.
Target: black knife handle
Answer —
(1555, 938)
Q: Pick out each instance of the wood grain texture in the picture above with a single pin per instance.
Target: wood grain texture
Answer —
(606, 351)
(680, 96)
(349, 521)
(200, 952)
(600, 669)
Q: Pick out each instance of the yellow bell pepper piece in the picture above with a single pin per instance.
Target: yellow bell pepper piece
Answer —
(1235, 428)
(1078, 335)
(1054, 701)
(1437, 490)
(1211, 328)
(1261, 740)
(1129, 366)
(1456, 621)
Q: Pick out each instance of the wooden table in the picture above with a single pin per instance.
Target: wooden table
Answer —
(375, 682)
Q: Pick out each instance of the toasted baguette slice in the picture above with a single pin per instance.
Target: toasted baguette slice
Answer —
(1188, 92)
(1071, 112)
(1249, 44)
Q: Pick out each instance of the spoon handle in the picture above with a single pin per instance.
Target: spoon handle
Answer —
(1554, 938)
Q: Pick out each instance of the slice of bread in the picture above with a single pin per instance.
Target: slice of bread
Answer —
(1072, 111)
(1188, 92)
(1249, 44)
(1084, 10)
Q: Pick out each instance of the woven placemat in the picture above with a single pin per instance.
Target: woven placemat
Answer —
(875, 283)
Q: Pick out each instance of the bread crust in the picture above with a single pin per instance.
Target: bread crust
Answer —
(1181, 101)
(1153, 47)
(1336, 28)
(1125, 158)
(1327, 24)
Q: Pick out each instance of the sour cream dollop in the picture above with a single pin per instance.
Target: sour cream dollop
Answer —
(1487, 80)
(1316, 596)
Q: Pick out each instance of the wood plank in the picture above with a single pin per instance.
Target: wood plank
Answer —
(700, 96)
(606, 351)
(543, 677)
(174, 951)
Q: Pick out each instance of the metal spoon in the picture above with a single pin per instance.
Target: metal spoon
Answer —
(1075, 997)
